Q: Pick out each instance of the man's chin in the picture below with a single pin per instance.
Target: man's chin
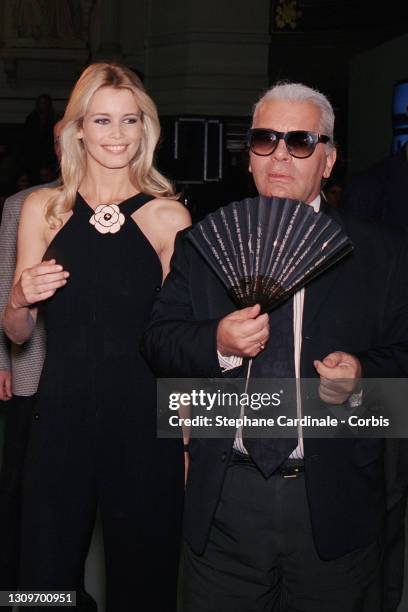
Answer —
(278, 192)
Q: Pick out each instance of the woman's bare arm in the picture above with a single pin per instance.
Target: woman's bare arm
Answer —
(34, 280)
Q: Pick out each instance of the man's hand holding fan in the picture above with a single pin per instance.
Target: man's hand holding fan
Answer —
(264, 250)
(243, 333)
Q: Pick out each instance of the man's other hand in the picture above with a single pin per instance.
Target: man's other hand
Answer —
(243, 333)
(339, 374)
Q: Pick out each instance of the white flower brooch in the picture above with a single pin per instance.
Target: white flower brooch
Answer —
(107, 219)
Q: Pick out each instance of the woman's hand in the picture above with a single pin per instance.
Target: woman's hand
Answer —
(38, 283)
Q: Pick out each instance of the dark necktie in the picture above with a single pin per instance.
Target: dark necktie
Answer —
(277, 360)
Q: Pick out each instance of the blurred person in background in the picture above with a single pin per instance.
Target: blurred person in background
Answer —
(38, 136)
(7, 169)
(333, 190)
(23, 182)
(380, 194)
(46, 175)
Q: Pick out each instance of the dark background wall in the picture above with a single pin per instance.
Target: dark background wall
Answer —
(209, 62)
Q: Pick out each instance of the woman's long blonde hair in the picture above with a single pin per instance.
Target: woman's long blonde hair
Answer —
(143, 174)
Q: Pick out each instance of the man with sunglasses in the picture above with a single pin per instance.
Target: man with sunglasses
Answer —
(298, 526)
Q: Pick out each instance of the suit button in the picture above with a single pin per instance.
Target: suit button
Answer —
(36, 416)
(157, 289)
(223, 456)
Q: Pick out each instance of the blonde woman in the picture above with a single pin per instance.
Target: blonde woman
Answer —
(93, 253)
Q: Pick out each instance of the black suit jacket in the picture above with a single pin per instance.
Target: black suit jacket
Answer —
(359, 306)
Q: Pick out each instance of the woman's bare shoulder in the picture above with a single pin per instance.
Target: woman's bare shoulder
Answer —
(37, 199)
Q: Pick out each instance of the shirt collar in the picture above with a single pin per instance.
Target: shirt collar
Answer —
(316, 203)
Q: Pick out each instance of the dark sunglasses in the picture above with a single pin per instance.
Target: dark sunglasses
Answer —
(299, 143)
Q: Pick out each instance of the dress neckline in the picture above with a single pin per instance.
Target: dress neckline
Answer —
(81, 197)
(127, 207)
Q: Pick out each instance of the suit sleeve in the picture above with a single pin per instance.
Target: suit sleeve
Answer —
(8, 240)
(177, 343)
(389, 359)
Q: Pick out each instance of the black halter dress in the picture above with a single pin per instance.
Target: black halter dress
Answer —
(93, 438)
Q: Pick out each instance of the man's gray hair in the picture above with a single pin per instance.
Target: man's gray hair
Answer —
(297, 92)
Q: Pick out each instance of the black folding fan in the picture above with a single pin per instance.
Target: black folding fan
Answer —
(264, 249)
